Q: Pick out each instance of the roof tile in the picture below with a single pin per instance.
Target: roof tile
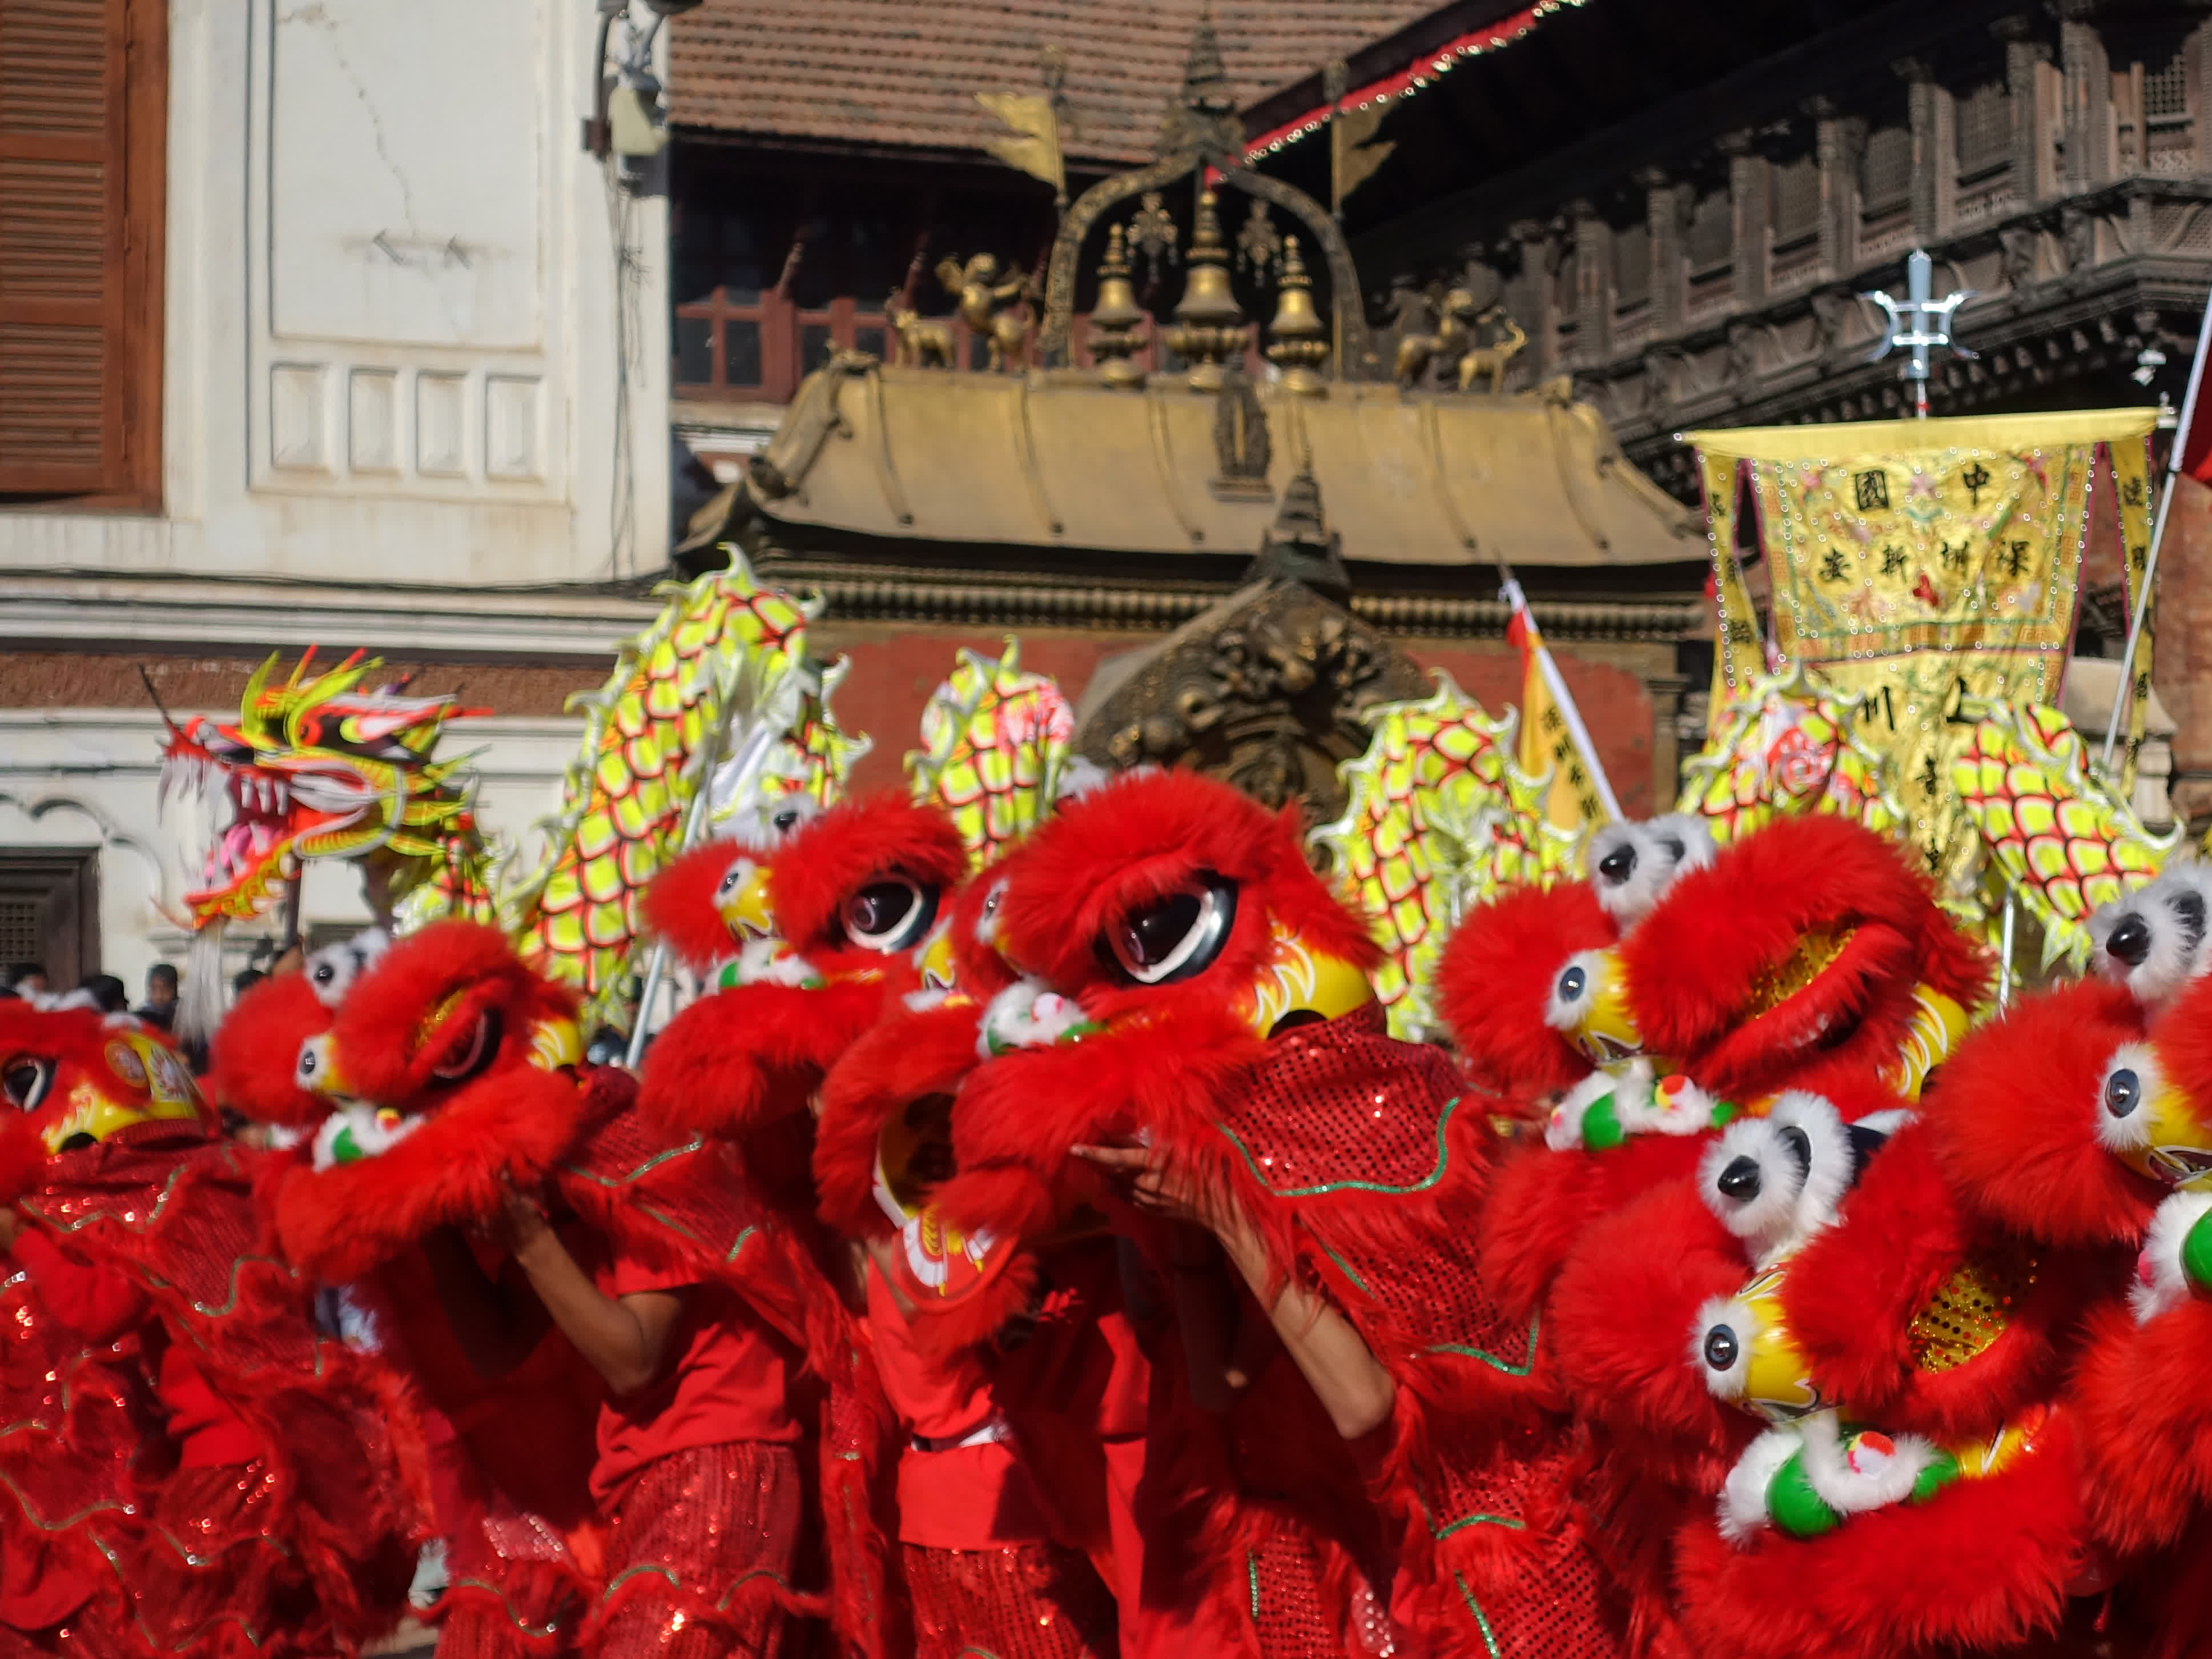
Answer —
(905, 72)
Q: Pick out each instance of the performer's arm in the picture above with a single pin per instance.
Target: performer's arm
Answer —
(625, 1337)
(495, 1324)
(1210, 1318)
(1357, 1393)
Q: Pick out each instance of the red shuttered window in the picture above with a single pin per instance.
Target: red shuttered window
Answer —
(83, 112)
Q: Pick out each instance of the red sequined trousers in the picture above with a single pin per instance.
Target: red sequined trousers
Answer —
(1021, 1601)
(700, 1556)
(512, 1593)
(1299, 1613)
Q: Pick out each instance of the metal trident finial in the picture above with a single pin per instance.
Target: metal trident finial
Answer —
(1920, 323)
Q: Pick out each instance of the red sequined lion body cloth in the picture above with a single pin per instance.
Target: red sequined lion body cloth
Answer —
(451, 1077)
(1222, 1018)
(251, 1484)
(1021, 1456)
(809, 931)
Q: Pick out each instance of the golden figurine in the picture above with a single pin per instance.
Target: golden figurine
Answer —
(922, 341)
(996, 310)
(1505, 343)
(1416, 352)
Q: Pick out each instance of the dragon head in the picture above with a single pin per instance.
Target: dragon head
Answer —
(316, 766)
(72, 1077)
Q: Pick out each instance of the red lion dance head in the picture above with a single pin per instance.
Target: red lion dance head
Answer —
(811, 934)
(74, 1077)
(455, 1065)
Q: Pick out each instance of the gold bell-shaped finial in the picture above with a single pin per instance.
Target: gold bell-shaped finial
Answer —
(1209, 323)
(1116, 317)
(1299, 338)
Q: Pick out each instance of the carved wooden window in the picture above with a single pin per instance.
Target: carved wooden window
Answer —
(1885, 171)
(1631, 266)
(49, 911)
(83, 87)
(2168, 140)
(1797, 200)
(1984, 130)
(1712, 239)
(761, 299)
(774, 271)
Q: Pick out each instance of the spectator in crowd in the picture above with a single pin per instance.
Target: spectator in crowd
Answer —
(107, 993)
(160, 1006)
(27, 978)
(244, 981)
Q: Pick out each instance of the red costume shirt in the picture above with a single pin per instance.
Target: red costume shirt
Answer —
(731, 1378)
(960, 1487)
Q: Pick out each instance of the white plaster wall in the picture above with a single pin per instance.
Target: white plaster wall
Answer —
(90, 778)
(392, 322)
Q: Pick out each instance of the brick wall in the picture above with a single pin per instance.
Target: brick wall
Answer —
(81, 679)
(895, 670)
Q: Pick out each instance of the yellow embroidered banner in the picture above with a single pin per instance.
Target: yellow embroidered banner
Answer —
(1918, 564)
(1739, 656)
(2131, 483)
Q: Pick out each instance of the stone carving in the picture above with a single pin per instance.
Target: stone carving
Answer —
(1265, 689)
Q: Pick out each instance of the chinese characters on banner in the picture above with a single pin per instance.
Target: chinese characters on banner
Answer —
(1916, 565)
(2132, 481)
(1739, 652)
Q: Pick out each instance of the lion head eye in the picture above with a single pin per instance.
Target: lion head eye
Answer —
(1176, 935)
(1573, 981)
(470, 1057)
(1722, 1347)
(889, 914)
(26, 1080)
(2124, 1092)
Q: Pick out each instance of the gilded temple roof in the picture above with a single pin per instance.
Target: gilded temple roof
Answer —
(1055, 460)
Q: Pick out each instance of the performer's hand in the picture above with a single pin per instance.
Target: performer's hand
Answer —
(518, 1224)
(1151, 1183)
(10, 1225)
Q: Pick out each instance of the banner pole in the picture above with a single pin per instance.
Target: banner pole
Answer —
(2004, 958)
(1556, 683)
(2157, 535)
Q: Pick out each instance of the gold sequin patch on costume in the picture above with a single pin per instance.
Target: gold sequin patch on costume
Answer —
(1970, 1310)
(1774, 985)
(439, 1013)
